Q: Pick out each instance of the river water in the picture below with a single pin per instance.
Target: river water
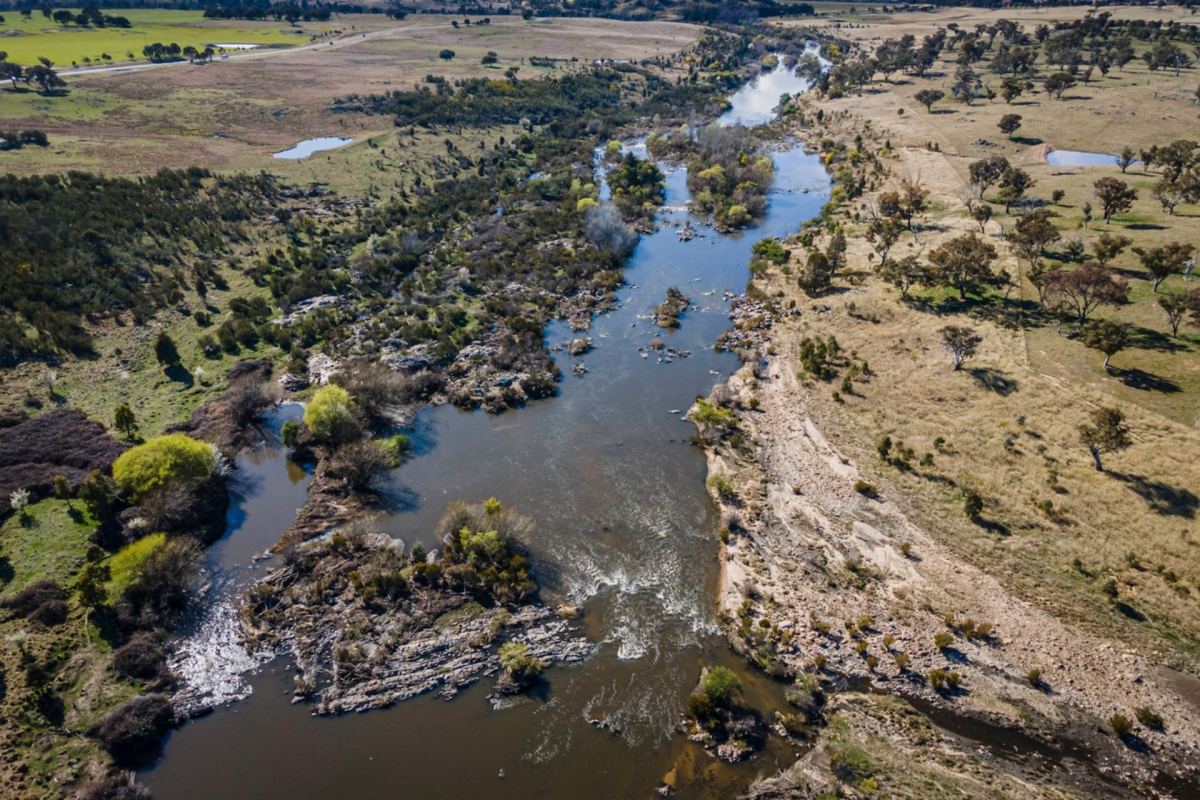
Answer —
(623, 528)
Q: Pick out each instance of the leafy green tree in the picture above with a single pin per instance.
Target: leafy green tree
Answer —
(521, 664)
(125, 422)
(1107, 433)
(1164, 261)
(964, 263)
(1108, 246)
(1115, 197)
(1108, 337)
(1176, 306)
(1009, 124)
(165, 350)
(927, 97)
(1013, 186)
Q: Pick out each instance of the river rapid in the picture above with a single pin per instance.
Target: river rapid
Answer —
(623, 528)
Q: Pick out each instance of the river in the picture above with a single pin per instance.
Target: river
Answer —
(624, 528)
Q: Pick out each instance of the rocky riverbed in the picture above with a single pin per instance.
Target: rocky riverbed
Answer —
(367, 625)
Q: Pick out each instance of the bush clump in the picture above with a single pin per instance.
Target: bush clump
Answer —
(481, 551)
(131, 734)
(142, 657)
(164, 461)
(330, 415)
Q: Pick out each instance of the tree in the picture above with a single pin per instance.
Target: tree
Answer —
(1169, 194)
(927, 97)
(1083, 290)
(904, 274)
(330, 415)
(489, 58)
(1176, 306)
(124, 421)
(1013, 186)
(62, 489)
(1107, 433)
(883, 233)
(987, 171)
(164, 461)
(1163, 261)
(1009, 124)
(1058, 83)
(1109, 246)
(91, 585)
(1011, 88)
(165, 350)
(44, 77)
(446, 55)
(1115, 197)
(1106, 336)
(960, 342)
(1126, 158)
(1032, 234)
(982, 214)
(964, 263)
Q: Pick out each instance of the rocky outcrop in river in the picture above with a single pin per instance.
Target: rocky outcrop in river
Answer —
(369, 625)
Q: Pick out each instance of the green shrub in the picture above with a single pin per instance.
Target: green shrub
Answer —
(161, 462)
(289, 434)
(943, 639)
(1121, 724)
(515, 657)
(724, 489)
(125, 567)
(1149, 717)
(329, 415)
(720, 683)
(397, 447)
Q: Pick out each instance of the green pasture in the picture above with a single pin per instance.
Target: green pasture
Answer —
(25, 39)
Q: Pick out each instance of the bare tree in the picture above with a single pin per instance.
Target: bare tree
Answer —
(961, 343)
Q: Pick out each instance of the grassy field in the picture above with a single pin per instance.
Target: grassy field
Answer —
(1056, 529)
(233, 115)
(25, 39)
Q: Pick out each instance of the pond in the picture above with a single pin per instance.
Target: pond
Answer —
(623, 528)
(1080, 158)
(307, 147)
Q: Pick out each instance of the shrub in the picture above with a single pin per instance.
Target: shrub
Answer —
(289, 433)
(516, 658)
(163, 461)
(126, 565)
(397, 447)
(943, 639)
(141, 657)
(115, 788)
(724, 489)
(1122, 725)
(1034, 676)
(866, 489)
(720, 683)
(131, 733)
(1149, 717)
(359, 463)
(972, 504)
(330, 415)
(161, 586)
(26, 602)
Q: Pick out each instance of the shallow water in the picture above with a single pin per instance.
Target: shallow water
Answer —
(754, 104)
(1079, 158)
(307, 147)
(624, 528)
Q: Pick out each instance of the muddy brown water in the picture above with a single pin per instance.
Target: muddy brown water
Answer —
(624, 528)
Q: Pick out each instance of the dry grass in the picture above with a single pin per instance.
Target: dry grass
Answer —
(1010, 418)
(234, 114)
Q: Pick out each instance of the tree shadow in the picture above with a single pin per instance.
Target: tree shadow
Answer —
(177, 373)
(1149, 339)
(1026, 140)
(993, 526)
(1162, 498)
(6, 570)
(1135, 743)
(1129, 611)
(940, 111)
(994, 380)
(1145, 381)
(1145, 226)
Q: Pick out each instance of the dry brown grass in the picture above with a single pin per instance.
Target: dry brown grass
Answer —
(1010, 418)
